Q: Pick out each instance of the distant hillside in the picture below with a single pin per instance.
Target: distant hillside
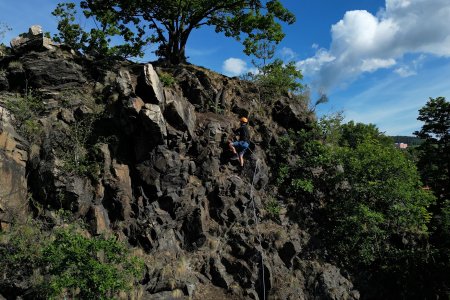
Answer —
(410, 140)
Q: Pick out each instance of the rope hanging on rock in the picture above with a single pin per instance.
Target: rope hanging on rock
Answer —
(257, 167)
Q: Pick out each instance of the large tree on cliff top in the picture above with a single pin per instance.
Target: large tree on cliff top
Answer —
(172, 21)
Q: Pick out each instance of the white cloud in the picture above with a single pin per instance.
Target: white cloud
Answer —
(405, 71)
(363, 42)
(393, 102)
(373, 64)
(287, 53)
(234, 66)
(314, 64)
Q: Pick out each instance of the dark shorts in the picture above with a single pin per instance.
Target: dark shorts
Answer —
(241, 146)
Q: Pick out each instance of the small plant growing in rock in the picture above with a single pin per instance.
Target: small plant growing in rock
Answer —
(15, 65)
(166, 79)
(74, 148)
(273, 208)
(26, 110)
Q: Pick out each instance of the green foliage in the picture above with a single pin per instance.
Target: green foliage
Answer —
(70, 33)
(433, 160)
(381, 201)
(434, 152)
(98, 40)
(4, 28)
(76, 150)
(21, 246)
(445, 223)
(302, 185)
(15, 65)
(66, 262)
(93, 268)
(354, 134)
(26, 111)
(366, 195)
(273, 208)
(410, 140)
(277, 78)
(329, 128)
(166, 79)
(170, 23)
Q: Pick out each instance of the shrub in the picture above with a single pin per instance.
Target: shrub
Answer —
(66, 262)
(273, 208)
(92, 268)
(26, 111)
(166, 79)
(15, 65)
(277, 78)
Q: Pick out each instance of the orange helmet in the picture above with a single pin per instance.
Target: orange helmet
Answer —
(243, 120)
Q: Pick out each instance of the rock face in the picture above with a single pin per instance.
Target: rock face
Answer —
(151, 164)
(13, 184)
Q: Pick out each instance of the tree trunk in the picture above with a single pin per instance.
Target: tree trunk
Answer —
(175, 51)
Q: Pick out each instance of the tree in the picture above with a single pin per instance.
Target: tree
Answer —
(434, 153)
(363, 202)
(434, 166)
(172, 22)
(98, 40)
(277, 78)
(354, 134)
(3, 29)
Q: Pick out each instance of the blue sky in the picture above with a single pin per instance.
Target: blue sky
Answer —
(378, 60)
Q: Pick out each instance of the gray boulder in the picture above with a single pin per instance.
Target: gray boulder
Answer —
(34, 39)
(149, 87)
(179, 112)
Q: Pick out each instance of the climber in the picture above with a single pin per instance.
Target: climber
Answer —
(242, 143)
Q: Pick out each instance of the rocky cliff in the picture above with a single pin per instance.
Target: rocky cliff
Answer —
(139, 151)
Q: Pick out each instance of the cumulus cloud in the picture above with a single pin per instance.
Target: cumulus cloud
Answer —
(363, 42)
(287, 53)
(405, 71)
(234, 66)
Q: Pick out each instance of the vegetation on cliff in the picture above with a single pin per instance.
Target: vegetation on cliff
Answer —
(367, 204)
(150, 166)
(65, 262)
(169, 24)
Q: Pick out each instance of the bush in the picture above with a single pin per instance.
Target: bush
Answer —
(76, 150)
(15, 65)
(66, 262)
(277, 79)
(273, 208)
(91, 268)
(166, 79)
(26, 111)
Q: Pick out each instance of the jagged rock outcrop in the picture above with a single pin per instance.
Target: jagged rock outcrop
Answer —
(150, 164)
(13, 183)
(33, 40)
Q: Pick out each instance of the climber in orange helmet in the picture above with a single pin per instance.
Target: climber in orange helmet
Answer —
(240, 146)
